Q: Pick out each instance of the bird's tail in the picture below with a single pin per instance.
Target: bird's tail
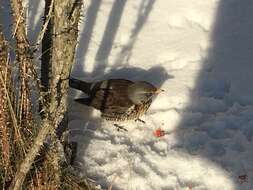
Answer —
(80, 85)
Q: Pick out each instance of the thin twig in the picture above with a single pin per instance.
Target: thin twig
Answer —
(113, 180)
(17, 24)
(44, 27)
(27, 162)
(13, 116)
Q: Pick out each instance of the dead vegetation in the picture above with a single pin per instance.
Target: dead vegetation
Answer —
(26, 161)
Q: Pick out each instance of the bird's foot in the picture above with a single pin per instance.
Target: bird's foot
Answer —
(140, 121)
(120, 128)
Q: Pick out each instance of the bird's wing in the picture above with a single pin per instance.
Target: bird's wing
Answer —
(112, 96)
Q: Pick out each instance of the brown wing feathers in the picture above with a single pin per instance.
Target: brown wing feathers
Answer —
(111, 98)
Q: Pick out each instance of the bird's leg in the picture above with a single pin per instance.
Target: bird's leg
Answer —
(119, 127)
(140, 120)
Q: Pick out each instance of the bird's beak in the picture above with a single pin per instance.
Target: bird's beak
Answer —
(158, 91)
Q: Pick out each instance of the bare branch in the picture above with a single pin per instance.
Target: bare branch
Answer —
(44, 27)
(65, 19)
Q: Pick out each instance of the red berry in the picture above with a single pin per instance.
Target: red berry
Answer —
(159, 132)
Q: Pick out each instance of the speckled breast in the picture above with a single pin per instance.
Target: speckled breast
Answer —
(133, 113)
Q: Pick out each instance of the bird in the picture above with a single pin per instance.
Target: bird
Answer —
(117, 99)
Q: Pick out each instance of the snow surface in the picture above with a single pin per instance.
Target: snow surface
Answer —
(200, 53)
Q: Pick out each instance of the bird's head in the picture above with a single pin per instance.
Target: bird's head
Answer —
(141, 92)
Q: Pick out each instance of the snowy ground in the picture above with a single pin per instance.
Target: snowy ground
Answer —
(200, 53)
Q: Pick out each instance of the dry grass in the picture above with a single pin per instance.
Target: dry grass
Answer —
(18, 129)
(20, 124)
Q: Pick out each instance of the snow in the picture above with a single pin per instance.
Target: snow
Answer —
(200, 53)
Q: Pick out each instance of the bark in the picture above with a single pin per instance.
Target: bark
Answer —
(65, 17)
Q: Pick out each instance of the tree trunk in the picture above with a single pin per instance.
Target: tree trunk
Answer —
(64, 25)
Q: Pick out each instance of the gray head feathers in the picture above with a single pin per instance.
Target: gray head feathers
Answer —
(140, 92)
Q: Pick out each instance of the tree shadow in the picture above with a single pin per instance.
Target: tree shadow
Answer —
(217, 116)
(86, 35)
(104, 50)
(110, 32)
(143, 14)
